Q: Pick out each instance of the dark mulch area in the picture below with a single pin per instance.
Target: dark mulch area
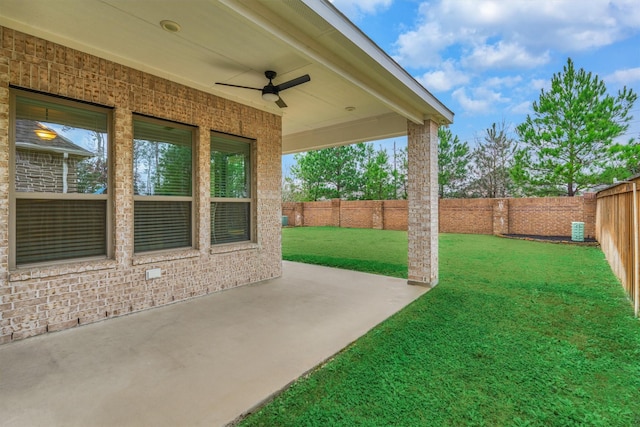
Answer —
(588, 241)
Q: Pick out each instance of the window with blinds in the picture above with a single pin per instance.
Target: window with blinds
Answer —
(231, 192)
(60, 180)
(163, 180)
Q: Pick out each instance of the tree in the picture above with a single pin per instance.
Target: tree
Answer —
(625, 162)
(453, 160)
(568, 141)
(92, 173)
(492, 161)
(400, 172)
(330, 172)
(377, 176)
(173, 176)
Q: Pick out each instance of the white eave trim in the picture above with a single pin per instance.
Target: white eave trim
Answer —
(364, 43)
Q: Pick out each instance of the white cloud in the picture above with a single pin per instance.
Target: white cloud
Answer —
(473, 106)
(508, 81)
(538, 84)
(420, 48)
(504, 55)
(482, 100)
(354, 9)
(522, 108)
(443, 79)
(623, 77)
(514, 33)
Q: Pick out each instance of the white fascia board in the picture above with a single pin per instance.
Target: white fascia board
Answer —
(370, 129)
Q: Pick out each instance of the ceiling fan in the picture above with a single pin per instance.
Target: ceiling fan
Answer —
(271, 92)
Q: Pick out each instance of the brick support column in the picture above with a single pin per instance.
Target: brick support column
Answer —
(500, 216)
(589, 214)
(423, 203)
(298, 215)
(335, 212)
(377, 215)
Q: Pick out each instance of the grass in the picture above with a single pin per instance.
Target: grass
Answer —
(517, 333)
(372, 251)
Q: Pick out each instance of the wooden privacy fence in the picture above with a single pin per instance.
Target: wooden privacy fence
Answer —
(617, 231)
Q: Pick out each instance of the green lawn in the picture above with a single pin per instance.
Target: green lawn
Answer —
(517, 333)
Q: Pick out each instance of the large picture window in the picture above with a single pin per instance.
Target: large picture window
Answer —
(60, 180)
(163, 177)
(231, 192)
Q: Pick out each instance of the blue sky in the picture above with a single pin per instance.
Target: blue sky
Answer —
(487, 60)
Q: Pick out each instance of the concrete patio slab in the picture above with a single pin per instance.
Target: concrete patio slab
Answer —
(201, 362)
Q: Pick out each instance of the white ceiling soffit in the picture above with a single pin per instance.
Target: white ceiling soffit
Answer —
(356, 93)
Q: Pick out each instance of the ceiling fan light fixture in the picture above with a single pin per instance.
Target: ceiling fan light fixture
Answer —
(270, 96)
(271, 92)
(45, 134)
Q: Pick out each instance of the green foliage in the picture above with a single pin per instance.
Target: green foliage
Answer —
(173, 175)
(567, 142)
(229, 174)
(399, 172)
(491, 163)
(453, 161)
(625, 162)
(350, 172)
(517, 333)
(329, 173)
(377, 176)
(92, 175)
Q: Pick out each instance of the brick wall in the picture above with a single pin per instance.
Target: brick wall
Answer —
(394, 214)
(469, 216)
(551, 216)
(45, 298)
(49, 170)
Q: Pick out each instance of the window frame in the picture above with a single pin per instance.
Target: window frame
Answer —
(155, 198)
(251, 186)
(14, 195)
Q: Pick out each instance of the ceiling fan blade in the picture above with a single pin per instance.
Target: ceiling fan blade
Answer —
(280, 103)
(294, 82)
(243, 87)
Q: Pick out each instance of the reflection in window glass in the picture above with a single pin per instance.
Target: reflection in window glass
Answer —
(60, 177)
(231, 202)
(162, 170)
(59, 149)
(230, 168)
(162, 160)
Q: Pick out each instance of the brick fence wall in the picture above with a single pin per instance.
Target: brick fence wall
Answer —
(549, 216)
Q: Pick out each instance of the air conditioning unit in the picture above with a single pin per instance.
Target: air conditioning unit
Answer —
(577, 231)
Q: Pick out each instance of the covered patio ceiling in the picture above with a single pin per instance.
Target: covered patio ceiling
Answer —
(356, 93)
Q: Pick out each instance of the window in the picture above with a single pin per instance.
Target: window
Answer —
(60, 180)
(231, 192)
(163, 177)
